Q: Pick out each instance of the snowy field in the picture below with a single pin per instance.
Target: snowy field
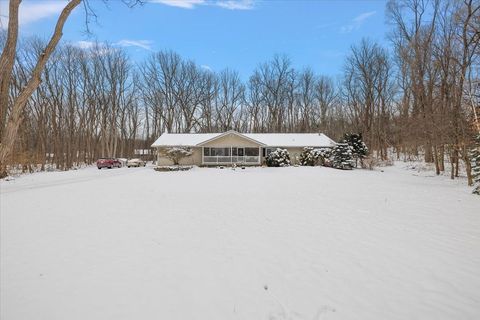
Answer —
(261, 243)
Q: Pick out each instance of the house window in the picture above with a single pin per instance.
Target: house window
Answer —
(206, 152)
(251, 152)
(267, 151)
(220, 152)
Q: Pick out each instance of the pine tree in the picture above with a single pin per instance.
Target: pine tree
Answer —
(475, 162)
(359, 148)
(343, 156)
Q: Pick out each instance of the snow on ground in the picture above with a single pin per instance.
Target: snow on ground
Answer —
(260, 243)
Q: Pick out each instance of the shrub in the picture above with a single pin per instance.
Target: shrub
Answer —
(309, 157)
(278, 158)
(343, 157)
(326, 155)
(177, 153)
(172, 168)
(315, 157)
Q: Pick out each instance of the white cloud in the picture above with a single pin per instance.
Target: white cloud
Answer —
(84, 44)
(185, 4)
(364, 16)
(94, 48)
(225, 4)
(357, 22)
(32, 11)
(235, 4)
(144, 44)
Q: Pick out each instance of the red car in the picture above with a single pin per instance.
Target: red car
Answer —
(108, 163)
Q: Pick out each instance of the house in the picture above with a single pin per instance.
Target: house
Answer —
(210, 149)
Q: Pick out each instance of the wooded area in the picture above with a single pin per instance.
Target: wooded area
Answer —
(419, 98)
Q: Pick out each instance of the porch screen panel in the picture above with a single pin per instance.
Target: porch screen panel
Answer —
(251, 152)
(220, 152)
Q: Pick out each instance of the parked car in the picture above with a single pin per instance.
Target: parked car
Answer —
(108, 163)
(136, 163)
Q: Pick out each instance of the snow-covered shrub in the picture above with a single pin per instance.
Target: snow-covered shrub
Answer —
(177, 153)
(315, 156)
(309, 157)
(475, 163)
(172, 168)
(343, 157)
(326, 155)
(359, 148)
(278, 158)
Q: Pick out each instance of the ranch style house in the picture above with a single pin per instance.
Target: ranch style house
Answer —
(232, 147)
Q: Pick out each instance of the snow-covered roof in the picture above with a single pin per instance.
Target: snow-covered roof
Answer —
(268, 139)
(293, 139)
(183, 139)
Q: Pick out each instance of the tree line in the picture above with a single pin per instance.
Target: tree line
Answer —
(418, 97)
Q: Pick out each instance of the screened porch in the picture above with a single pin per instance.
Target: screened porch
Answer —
(230, 155)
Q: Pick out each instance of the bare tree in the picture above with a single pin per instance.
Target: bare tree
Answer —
(367, 93)
(176, 154)
(6, 65)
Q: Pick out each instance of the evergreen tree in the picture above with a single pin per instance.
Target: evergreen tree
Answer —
(343, 156)
(359, 148)
(475, 162)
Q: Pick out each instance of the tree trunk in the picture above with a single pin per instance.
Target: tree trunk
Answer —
(15, 118)
(7, 60)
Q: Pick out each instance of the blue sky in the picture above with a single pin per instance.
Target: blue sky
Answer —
(221, 34)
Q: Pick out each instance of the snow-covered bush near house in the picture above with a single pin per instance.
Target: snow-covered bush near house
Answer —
(309, 157)
(173, 168)
(343, 156)
(325, 153)
(278, 158)
(176, 154)
(231, 244)
(315, 156)
(325, 156)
